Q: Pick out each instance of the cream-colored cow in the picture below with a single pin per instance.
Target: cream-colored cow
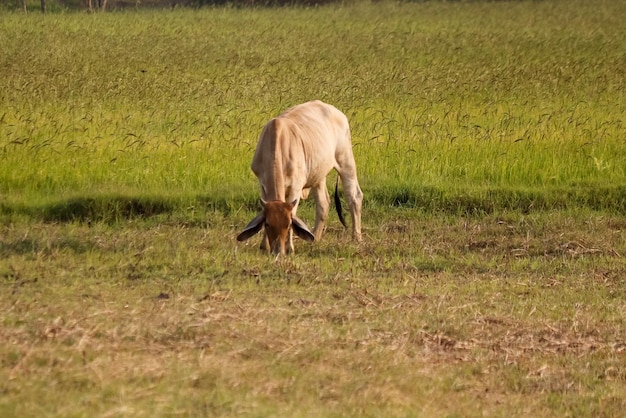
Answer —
(295, 153)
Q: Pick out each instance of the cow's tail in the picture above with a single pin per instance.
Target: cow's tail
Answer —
(338, 204)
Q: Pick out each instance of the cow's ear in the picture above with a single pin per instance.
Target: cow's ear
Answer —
(252, 228)
(301, 230)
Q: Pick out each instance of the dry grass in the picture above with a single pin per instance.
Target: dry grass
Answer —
(488, 316)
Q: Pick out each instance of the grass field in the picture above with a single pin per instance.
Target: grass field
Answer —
(490, 142)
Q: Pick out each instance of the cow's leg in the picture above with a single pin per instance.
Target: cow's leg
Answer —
(322, 205)
(354, 196)
(290, 247)
(265, 242)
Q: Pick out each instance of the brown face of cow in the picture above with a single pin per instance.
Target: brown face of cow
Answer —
(277, 225)
(277, 220)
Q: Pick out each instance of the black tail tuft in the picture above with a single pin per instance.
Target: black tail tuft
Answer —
(338, 204)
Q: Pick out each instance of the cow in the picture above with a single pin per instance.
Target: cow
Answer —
(295, 153)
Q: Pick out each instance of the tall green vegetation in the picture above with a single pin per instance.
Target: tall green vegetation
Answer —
(452, 105)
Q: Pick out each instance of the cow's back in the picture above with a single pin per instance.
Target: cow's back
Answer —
(299, 148)
(317, 124)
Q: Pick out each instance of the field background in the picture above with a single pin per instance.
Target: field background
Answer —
(490, 142)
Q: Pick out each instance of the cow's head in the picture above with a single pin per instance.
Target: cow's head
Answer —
(277, 218)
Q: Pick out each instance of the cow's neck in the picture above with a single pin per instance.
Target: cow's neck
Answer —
(275, 187)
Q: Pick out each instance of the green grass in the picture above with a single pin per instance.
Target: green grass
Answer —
(489, 138)
(464, 99)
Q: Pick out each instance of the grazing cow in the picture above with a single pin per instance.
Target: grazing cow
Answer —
(295, 153)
